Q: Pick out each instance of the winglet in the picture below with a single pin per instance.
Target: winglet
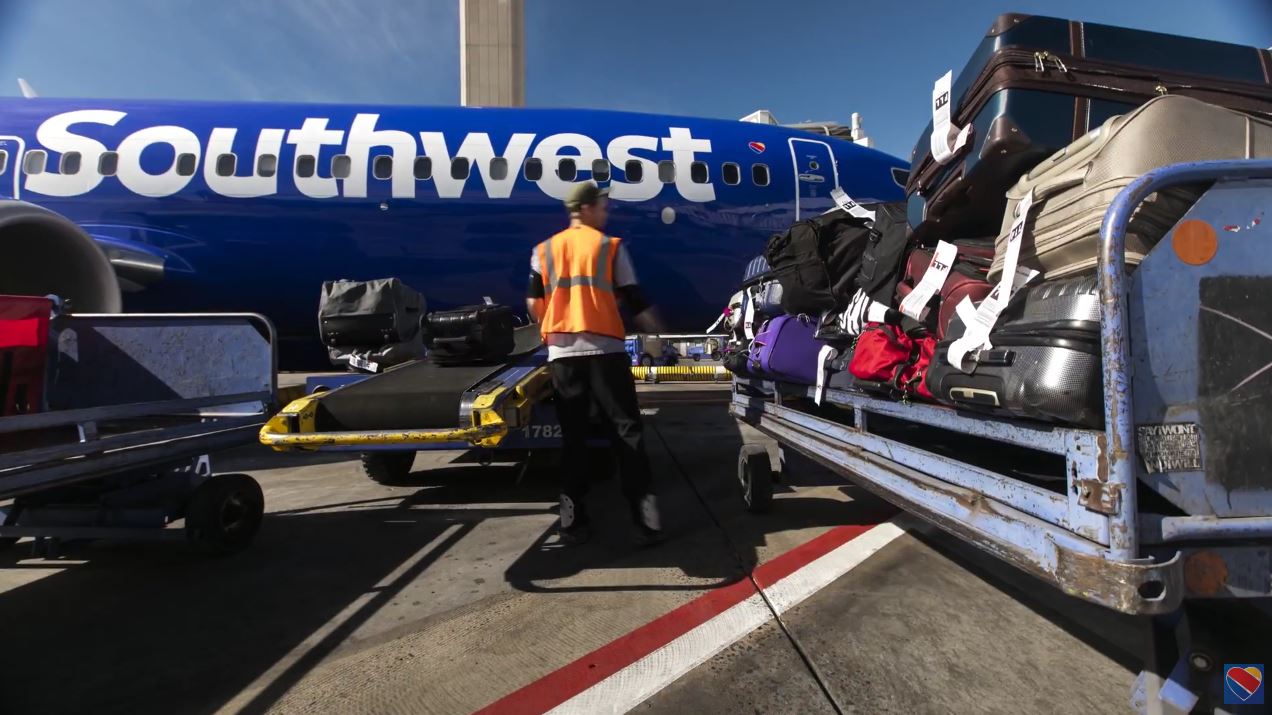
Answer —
(27, 90)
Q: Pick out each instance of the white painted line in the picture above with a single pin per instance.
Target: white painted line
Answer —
(635, 683)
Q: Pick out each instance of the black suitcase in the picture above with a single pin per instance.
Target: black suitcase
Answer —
(473, 334)
(1036, 84)
(1045, 362)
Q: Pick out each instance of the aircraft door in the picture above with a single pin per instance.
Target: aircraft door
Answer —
(815, 176)
(10, 166)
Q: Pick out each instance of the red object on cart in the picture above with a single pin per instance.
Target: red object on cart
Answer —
(24, 352)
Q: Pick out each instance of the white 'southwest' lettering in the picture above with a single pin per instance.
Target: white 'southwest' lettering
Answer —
(245, 182)
(55, 135)
(165, 183)
(360, 144)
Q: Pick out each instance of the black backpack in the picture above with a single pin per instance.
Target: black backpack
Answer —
(817, 261)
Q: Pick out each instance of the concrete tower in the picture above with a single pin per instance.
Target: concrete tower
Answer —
(492, 53)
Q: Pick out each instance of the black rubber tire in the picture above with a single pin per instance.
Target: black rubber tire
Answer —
(697, 357)
(388, 468)
(755, 477)
(646, 361)
(224, 513)
(715, 354)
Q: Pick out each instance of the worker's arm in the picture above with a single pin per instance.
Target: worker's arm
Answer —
(535, 304)
(629, 293)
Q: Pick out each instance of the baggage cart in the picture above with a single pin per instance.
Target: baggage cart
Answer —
(1166, 511)
(135, 405)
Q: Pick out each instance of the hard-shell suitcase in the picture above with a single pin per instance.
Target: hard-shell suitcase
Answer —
(1045, 362)
(1073, 188)
(470, 335)
(785, 349)
(967, 278)
(1035, 84)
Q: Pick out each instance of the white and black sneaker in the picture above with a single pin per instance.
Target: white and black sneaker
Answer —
(573, 529)
(649, 522)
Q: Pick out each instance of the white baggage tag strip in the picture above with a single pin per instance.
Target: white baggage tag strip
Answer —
(845, 202)
(966, 310)
(748, 317)
(946, 139)
(823, 363)
(976, 335)
(932, 282)
(363, 363)
(876, 313)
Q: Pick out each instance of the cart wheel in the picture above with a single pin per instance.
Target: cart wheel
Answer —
(224, 513)
(755, 474)
(9, 517)
(388, 468)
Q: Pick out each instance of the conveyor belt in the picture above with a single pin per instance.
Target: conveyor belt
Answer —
(418, 395)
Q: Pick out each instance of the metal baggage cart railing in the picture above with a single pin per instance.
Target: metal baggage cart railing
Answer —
(1089, 539)
(137, 403)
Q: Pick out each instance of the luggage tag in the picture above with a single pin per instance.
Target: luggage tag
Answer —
(854, 209)
(976, 334)
(748, 317)
(824, 357)
(946, 139)
(363, 363)
(933, 279)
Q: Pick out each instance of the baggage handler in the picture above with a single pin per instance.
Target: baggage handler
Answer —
(578, 277)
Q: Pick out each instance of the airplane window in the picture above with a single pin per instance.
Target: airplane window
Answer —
(4, 160)
(267, 165)
(698, 173)
(306, 165)
(900, 176)
(423, 168)
(732, 173)
(667, 171)
(567, 170)
(498, 168)
(460, 168)
(34, 162)
(225, 164)
(382, 167)
(109, 162)
(70, 163)
(341, 166)
(533, 170)
(760, 174)
(634, 171)
(601, 170)
(186, 164)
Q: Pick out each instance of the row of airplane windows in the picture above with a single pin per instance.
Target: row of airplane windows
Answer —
(36, 160)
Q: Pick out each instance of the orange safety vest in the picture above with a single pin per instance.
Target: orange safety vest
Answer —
(577, 266)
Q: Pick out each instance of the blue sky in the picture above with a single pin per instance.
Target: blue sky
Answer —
(802, 59)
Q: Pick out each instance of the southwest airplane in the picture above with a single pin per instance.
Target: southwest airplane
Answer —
(187, 206)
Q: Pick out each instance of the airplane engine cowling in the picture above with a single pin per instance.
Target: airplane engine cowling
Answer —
(42, 253)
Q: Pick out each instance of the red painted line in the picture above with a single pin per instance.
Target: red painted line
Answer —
(560, 685)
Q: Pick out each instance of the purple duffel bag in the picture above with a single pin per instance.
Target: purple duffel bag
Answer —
(785, 349)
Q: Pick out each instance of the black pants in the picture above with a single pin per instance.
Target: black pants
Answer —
(600, 385)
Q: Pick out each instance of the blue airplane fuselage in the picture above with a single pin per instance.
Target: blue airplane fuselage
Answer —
(249, 207)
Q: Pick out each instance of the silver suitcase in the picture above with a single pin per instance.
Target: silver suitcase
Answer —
(1074, 187)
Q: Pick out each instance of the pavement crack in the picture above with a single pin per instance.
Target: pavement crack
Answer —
(815, 672)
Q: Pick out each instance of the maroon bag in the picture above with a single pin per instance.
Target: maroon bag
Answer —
(967, 279)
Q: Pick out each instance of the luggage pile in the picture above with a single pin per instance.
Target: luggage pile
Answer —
(979, 291)
(370, 326)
